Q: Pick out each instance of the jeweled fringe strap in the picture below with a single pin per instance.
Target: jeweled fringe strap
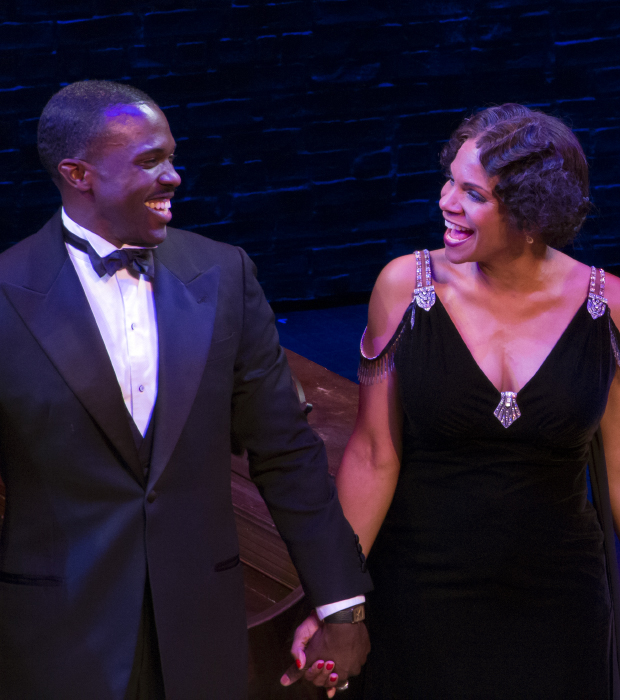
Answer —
(375, 369)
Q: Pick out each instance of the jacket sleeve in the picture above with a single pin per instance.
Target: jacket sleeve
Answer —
(288, 461)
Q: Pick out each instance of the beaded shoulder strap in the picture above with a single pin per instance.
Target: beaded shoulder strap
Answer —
(597, 304)
(376, 369)
(424, 293)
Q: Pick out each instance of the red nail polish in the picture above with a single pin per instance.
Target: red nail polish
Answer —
(329, 665)
(333, 678)
(298, 663)
(320, 665)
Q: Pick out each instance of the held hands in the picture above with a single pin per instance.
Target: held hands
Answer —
(329, 653)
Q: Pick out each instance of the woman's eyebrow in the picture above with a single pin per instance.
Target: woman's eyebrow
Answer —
(478, 187)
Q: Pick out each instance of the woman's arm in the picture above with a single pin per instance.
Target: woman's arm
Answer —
(610, 429)
(369, 470)
(610, 424)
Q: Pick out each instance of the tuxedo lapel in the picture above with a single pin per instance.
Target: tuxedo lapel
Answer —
(185, 302)
(53, 306)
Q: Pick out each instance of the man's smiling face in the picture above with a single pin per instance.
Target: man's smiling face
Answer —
(133, 179)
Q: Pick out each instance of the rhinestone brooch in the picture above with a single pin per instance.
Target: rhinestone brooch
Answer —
(507, 412)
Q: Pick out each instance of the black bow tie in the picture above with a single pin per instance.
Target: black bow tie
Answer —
(139, 260)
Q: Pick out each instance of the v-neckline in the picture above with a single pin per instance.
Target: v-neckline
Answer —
(564, 333)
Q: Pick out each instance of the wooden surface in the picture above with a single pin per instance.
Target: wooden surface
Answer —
(334, 407)
(271, 582)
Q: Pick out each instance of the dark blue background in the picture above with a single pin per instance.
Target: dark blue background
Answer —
(309, 129)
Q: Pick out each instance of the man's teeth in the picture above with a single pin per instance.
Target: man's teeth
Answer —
(461, 229)
(160, 204)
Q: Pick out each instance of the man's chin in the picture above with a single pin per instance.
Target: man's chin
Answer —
(158, 235)
(149, 237)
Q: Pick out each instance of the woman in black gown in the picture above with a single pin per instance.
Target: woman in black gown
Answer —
(487, 368)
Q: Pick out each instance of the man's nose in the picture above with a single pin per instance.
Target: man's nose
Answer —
(169, 176)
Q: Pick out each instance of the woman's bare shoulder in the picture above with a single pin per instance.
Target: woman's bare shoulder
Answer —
(390, 298)
(612, 294)
(397, 277)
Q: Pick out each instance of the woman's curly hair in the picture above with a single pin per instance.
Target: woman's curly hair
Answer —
(540, 166)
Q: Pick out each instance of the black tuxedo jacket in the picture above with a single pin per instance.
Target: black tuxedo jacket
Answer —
(83, 529)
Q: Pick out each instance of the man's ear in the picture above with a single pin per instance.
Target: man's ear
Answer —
(76, 173)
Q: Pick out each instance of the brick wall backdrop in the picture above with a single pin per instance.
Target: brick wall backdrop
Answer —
(309, 130)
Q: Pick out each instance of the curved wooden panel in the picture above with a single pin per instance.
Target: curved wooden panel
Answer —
(273, 608)
(271, 582)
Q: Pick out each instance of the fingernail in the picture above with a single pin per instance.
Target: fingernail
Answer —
(285, 680)
(298, 663)
(320, 665)
(329, 665)
(333, 678)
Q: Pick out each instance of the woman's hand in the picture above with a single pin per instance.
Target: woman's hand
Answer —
(303, 634)
(349, 641)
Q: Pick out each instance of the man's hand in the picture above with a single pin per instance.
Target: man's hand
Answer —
(329, 652)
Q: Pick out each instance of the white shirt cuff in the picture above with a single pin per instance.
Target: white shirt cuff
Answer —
(324, 610)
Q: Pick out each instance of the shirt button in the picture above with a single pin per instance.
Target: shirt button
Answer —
(133, 326)
(141, 387)
(151, 497)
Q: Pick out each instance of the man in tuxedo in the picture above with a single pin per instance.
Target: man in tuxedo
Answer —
(131, 354)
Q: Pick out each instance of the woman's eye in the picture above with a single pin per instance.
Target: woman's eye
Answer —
(476, 196)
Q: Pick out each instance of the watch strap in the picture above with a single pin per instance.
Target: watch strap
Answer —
(354, 614)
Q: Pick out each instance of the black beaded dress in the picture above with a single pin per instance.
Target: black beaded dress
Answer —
(491, 568)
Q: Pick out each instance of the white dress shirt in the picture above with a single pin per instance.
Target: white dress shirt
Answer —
(124, 309)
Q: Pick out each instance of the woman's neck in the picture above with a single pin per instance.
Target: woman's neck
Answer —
(530, 272)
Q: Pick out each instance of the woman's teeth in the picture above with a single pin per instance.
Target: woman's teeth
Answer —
(454, 227)
(457, 233)
(159, 204)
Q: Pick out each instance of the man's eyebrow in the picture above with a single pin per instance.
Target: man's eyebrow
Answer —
(156, 150)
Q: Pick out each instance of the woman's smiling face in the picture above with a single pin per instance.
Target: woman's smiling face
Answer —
(476, 229)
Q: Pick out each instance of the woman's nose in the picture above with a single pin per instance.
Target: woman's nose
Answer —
(448, 200)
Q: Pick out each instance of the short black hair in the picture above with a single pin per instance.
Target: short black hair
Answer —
(541, 168)
(74, 118)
